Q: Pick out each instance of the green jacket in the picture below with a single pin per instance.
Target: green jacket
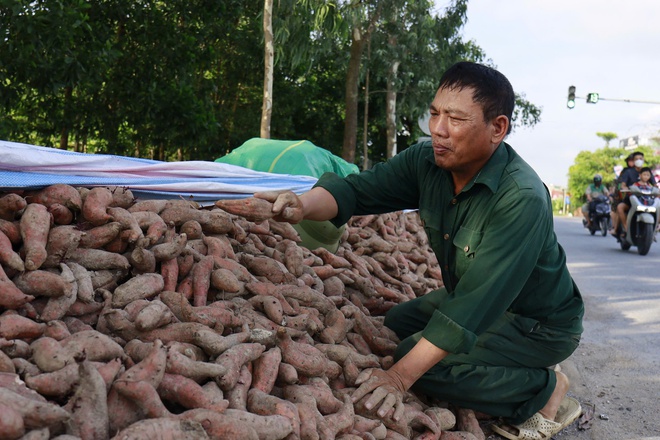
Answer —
(494, 241)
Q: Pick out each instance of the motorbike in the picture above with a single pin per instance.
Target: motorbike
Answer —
(599, 215)
(642, 220)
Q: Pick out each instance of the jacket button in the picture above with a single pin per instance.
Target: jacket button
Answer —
(446, 237)
(466, 248)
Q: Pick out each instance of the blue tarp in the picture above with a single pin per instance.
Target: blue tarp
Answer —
(24, 166)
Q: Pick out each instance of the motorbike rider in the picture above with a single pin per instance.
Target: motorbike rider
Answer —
(593, 190)
(628, 177)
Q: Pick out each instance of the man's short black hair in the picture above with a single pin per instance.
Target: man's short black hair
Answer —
(637, 153)
(491, 89)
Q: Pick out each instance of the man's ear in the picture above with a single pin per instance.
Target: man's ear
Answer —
(500, 127)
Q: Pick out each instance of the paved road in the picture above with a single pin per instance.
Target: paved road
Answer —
(616, 370)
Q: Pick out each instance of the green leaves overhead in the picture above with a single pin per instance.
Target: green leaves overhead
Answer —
(182, 80)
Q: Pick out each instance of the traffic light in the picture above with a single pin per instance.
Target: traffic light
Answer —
(571, 97)
(592, 98)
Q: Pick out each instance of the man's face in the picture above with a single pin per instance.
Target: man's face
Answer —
(462, 140)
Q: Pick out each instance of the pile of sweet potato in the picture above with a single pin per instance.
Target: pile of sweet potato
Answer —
(158, 319)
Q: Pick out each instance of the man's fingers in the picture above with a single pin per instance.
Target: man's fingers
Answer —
(399, 410)
(388, 402)
(271, 196)
(376, 397)
(363, 376)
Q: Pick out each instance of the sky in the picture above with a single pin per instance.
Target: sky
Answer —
(599, 46)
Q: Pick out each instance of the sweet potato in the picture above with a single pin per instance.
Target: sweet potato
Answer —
(16, 348)
(128, 222)
(214, 344)
(35, 225)
(51, 355)
(62, 239)
(42, 283)
(35, 413)
(170, 250)
(182, 309)
(6, 364)
(220, 426)
(95, 205)
(305, 358)
(213, 222)
(151, 224)
(251, 208)
(266, 267)
(57, 330)
(235, 357)
(133, 395)
(98, 259)
(260, 402)
(270, 306)
(265, 370)
(142, 286)
(272, 427)
(12, 297)
(154, 315)
(8, 257)
(57, 307)
(219, 246)
(57, 193)
(11, 422)
(443, 417)
(201, 279)
(195, 370)
(342, 420)
(10, 205)
(238, 395)
(189, 394)
(15, 326)
(88, 406)
(192, 229)
(11, 230)
(319, 390)
(287, 374)
(99, 236)
(61, 214)
(163, 429)
(467, 421)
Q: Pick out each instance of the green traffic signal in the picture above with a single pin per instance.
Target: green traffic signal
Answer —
(592, 98)
(571, 97)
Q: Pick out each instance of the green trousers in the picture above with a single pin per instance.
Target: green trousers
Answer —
(506, 374)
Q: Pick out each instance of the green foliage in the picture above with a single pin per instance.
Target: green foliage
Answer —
(183, 79)
(607, 136)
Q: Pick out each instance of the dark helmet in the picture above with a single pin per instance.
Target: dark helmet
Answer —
(598, 179)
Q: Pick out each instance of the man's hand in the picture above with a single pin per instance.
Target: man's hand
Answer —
(287, 206)
(386, 388)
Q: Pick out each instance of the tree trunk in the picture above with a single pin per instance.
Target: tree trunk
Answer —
(64, 133)
(391, 109)
(269, 55)
(352, 84)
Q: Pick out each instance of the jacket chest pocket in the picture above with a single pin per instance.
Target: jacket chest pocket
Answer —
(466, 241)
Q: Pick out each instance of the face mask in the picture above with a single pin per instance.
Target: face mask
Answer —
(639, 163)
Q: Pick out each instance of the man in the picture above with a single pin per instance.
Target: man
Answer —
(615, 194)
(509, 309)
(627, 178)
(594, 190)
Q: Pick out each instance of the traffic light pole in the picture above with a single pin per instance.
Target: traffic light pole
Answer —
(628, 100)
